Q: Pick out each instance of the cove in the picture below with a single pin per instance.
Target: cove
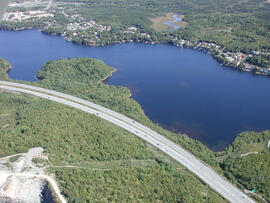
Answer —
(181, 89)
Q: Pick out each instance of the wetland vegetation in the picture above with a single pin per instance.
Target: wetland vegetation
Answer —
(237, 27)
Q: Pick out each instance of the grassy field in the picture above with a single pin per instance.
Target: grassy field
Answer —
(159, 26)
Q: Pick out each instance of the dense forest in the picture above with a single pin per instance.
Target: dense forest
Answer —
(238, 25)
(242, 25)
(100, 151)
(107, 155)
(110, 164)
(247, 162)
(93, 147)
(4, 67)
(82, 77)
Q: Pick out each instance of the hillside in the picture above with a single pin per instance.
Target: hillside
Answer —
(83, 149)
(247, 162)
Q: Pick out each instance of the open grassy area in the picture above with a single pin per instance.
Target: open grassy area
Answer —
(158, 23)
(159, 26)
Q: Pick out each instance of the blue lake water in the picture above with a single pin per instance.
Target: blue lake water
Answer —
(181, 89)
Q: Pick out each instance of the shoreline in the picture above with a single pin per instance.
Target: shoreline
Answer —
(108, 77)
(206, 47)
(130, 92)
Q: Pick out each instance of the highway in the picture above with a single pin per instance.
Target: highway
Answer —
(3, 7)
(196, 166)
(49, 5)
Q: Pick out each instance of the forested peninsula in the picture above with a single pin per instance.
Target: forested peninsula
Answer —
(105, 150)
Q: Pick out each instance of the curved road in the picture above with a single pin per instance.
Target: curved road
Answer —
(203, 171)
(3, 7)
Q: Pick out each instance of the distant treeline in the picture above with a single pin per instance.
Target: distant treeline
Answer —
(238, 25)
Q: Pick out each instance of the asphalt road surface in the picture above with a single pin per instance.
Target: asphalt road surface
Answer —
(203, 171)
(3, 7)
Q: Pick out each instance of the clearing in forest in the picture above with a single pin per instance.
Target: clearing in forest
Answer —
(159, 22)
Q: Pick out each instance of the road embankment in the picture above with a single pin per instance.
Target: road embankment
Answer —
(3, 7)
(199, 168)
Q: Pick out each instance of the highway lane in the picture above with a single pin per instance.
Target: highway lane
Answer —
(3, 7)
(196, 166)
(49, 5)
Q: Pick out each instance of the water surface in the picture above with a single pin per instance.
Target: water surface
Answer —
(181, 89)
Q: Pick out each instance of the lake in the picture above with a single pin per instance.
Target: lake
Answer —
(181, 89)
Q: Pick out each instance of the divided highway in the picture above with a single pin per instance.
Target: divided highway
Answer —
(3, 7)
(203, 171)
